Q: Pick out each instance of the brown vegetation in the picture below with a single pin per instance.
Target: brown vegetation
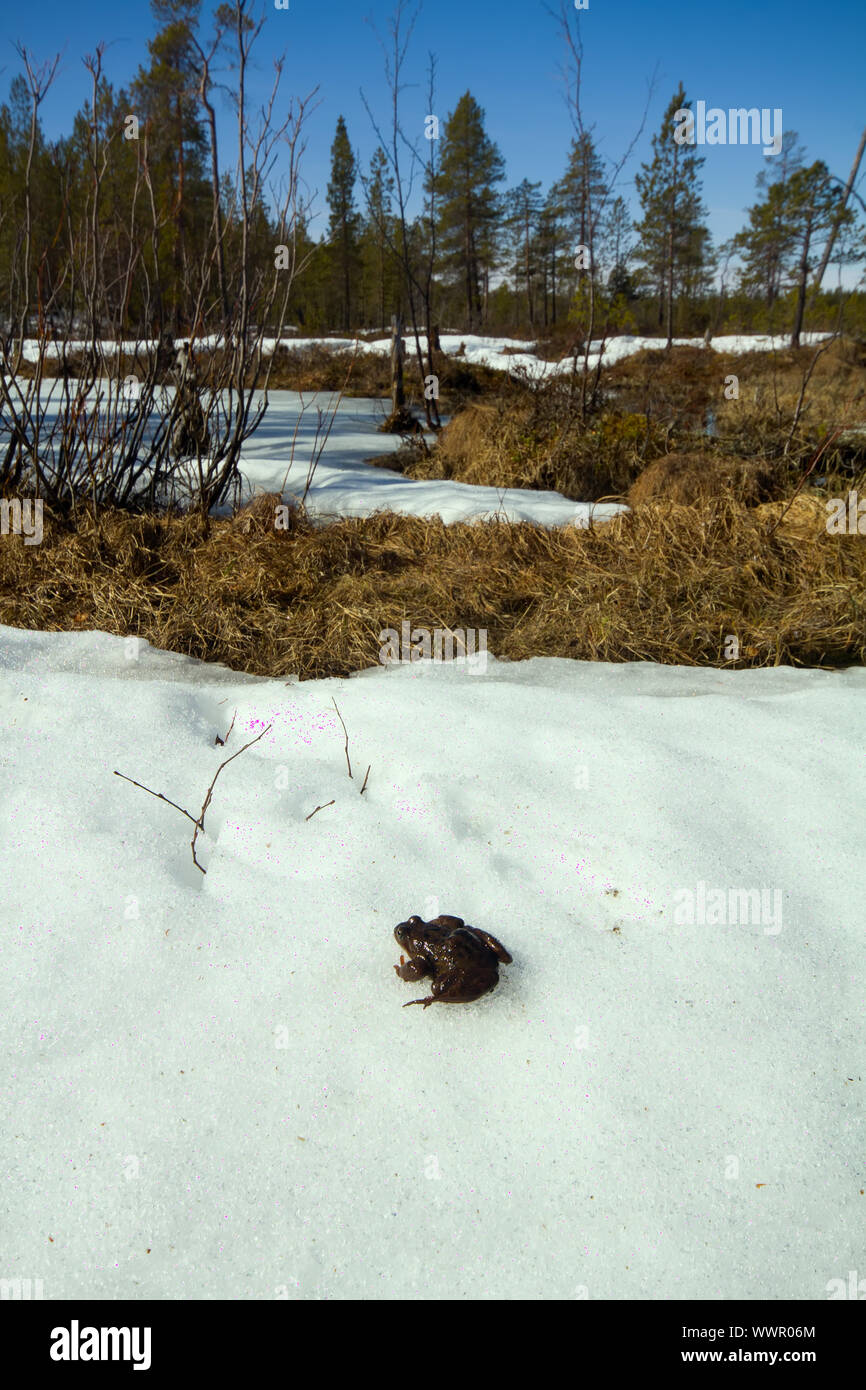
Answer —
(691, 478)
(666, 583)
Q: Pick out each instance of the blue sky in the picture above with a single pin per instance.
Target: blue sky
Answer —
(806, 58)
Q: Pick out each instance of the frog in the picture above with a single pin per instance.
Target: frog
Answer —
(463, 961)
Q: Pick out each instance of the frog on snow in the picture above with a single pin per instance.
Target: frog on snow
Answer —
(462, 961)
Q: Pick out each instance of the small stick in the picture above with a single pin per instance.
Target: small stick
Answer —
(223, 741)
(340, 717)
(158, 795)
(364, 788)
(319, 808)
(199, 824)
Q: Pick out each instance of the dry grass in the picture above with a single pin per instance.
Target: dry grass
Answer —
(692, 478)
(679, 388)
(664, 584)
(489, 445)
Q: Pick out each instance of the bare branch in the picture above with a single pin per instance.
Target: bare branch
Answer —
(340, 717)
(199, 824)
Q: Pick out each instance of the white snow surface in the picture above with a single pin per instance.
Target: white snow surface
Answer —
(277, 458)
(505, 354)
(344, 485)
(212, 1089)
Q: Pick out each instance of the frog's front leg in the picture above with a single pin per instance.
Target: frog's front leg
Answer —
(412, 970)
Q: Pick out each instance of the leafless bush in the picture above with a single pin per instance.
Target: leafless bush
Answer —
(162, 432)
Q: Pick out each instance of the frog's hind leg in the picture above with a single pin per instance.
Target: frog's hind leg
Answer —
(431, 999)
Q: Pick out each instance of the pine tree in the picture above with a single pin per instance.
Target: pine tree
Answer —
(674, 244)
(550, 245)
(45, 202)
(582, 192)
(766, 243)
(617, 245)
(786, 228)
(523, 205)
(813, 206)
(165, 95)
(470, 165)
(379, 233)
(344, 221)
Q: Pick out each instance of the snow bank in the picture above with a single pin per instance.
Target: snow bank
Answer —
(213, 1090)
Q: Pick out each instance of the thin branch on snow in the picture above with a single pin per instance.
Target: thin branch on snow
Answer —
(199, 824)
(223, 741)
(340, 717)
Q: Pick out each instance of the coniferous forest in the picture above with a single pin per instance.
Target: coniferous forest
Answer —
(138, 218)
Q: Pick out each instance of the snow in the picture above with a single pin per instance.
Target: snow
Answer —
(345, 485)
(212, 1088)
(504, 354)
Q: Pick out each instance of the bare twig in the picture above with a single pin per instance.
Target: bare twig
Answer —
(340, 717)
(159, 796)
(223, 741)
(200, 821)
(366, 775)
(319, 808)
(199, 824)
(812, 466)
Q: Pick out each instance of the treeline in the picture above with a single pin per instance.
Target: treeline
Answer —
(479, 255)
(528, 259)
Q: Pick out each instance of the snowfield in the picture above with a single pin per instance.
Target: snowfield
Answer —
(345, 484)
(277, 458)
(212, 1089)
(505, 354)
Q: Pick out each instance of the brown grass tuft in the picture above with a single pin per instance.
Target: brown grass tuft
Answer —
(665, 583)
(690, 478)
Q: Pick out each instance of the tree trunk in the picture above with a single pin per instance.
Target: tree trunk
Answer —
(819, 274)
(398, 395)
(801, 291)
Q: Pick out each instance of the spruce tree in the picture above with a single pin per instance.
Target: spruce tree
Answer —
(344, 221)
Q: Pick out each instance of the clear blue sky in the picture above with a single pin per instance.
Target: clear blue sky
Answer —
(807, 58)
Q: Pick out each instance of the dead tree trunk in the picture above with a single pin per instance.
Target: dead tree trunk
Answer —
(398, 394)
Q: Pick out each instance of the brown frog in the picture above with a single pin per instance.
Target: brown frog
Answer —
(463, 961)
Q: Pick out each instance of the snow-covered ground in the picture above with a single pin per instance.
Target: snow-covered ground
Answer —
(505, 354)
(212, 1089)
(344, 485)
(277, 458)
